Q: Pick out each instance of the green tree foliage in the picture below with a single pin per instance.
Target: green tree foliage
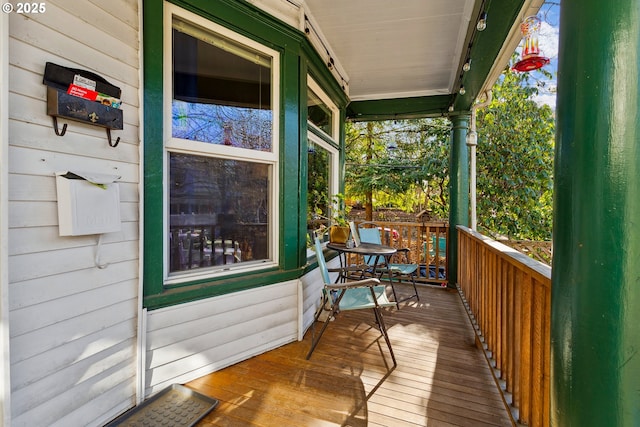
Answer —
(515, 161)
(405, 164)
(402, 164)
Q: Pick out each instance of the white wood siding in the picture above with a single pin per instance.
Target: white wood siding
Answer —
(72, 325)
(5, 367)
(312, 285)
(190, 340)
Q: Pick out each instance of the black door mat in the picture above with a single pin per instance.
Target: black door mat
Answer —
(174, 406)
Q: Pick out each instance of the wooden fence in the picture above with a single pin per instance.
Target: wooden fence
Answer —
(508, 298)
(427, 244)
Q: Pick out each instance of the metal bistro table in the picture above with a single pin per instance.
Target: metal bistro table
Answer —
(365, 249)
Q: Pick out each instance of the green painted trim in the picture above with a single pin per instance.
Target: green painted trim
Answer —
(304, 164)
(399, 108)
(153, 146)
(247, 20)
(342, 153)
(297, 59)
(458, 191)
(595, 290)
(501, 16)
(290, 159)
(323, 136)
(318, 70)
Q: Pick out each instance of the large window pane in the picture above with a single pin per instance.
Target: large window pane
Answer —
(218, 212)
(221, 90)
(319, 113)
(318, 187)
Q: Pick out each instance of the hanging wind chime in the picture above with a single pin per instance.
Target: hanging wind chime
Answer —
(532, 59)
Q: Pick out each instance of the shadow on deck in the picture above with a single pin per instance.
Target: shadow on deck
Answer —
(442, 378)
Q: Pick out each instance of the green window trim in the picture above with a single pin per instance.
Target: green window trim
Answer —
(297, 57)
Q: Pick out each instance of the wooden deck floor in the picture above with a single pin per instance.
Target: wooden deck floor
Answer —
(441, 379)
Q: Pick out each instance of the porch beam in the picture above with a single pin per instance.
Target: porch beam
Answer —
(595, 338)
(458, 190)
(399, 108)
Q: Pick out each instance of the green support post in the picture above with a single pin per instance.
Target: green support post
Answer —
(595, 308)
(458, 191)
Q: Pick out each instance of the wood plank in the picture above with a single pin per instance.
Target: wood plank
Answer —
(121, 46)
(80, 139)
(229, 303)
(121, 22)
(40, 366)
(40, 392)
(32, 188)
(53, 336)
(63, 403)
(441, 379)
(66, 284)
(38, 239)
(35, 317)
(42, 264)
(103, 62)
(31, 59)
(217, 337)
(47, 163)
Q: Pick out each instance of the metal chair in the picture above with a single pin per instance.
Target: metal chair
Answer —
(357, 295)
(371, 234)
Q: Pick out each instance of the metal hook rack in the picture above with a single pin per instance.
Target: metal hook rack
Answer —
(60, 104)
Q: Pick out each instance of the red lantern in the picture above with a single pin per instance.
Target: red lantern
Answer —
(531, 57)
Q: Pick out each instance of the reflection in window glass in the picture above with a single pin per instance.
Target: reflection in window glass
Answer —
(221, 90)
(318, 200)
(218, 212)
(319, 114)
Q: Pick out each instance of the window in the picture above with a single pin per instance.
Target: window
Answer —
(319, 113)
(221, 150)
(322, 157)
(319, 185)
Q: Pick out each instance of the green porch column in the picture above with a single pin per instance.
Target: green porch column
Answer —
(595, 318)
(458, 191)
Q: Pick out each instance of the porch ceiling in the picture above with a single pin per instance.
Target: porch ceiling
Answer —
(404, 59)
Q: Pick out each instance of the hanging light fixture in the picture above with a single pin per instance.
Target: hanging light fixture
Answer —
(462, 90)
(467, 65)
(482, 22)
(532, 59)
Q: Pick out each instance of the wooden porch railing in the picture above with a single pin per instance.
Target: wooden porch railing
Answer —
(427, 243)
(508, 298)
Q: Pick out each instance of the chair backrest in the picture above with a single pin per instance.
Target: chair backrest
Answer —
(322, 264)
(370, 235)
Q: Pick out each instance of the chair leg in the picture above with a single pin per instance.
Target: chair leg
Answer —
(316, 340)
(413, 282)
(415, 290)
(334, 310)
(393, 289)
(383, 330)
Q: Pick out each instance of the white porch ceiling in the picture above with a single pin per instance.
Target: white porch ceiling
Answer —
(395, 49)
